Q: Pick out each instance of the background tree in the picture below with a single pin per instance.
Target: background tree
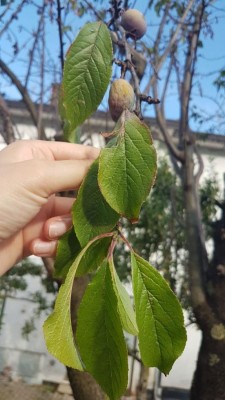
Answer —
(188, 164)
(170, 61)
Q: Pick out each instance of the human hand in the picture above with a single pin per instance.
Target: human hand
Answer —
(32, 217)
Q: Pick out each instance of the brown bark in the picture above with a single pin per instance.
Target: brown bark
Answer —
(8, 130)
(209, 378)
(84, 387)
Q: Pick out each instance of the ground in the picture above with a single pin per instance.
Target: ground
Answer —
(21, 391)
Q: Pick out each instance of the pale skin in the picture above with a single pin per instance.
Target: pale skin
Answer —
(32, 215)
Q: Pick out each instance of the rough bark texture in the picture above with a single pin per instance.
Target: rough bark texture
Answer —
(84, 387)
(209, 378)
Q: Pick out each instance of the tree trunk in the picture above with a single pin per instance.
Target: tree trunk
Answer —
(143, 383)
(83, 386)
(209, 377)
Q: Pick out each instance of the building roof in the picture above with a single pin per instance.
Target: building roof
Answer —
(101, 121)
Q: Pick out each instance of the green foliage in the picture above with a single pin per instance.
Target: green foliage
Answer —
(28, 328)
(15, 279)
(125, 308)
(127, 170)
(115, 186)
(100, 335)
(92, 215)
(159, 231)
(67, 250)
(164, 318)
(159, 235)
(15, 282)
(87, 71)
(209, 191)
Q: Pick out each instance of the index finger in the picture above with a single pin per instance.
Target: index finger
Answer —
(70, 151)
(24, 150)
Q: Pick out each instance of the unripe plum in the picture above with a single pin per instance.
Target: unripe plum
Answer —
(121, 97)
(134, 23)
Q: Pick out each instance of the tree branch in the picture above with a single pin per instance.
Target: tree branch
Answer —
(200, 165)
(24, 93)
(198, 258)
(36, 37)
(42, 76)
(59, 23)
(169, 71)
(177, 154)
(176, 68)
(98, 16)
(8, 131)
(132, 70)
(5, 10)
(160, 60)
(189, 71)
(13, 16)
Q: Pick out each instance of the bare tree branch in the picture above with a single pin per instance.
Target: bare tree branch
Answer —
(8, 131)
(176, 68)
(132, 69)
(176, 153)
(5, 10)
(160, 60)
(169, 71)
(13, 16)
(59, 23)
(161, 26)
(98, 16)
(42, 76)
(200, 165)
(189, 71)
(24, 93)
(36, 37)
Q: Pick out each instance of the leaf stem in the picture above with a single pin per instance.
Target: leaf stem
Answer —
(103, 235)
(126, 241)
(111, 248)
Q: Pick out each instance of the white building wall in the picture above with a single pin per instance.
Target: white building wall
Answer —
(27, 357)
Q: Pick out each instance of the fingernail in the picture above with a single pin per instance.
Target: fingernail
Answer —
(43, 248)
(58, 228)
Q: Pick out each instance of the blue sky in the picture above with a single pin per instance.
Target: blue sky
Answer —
(211, 56)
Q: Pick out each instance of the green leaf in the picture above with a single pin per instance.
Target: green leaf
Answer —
(125, 307)
(127, 171)
(57, 328)
(92, 215)
(86, 76)
(67, 250)
(162, 335)
(94, 256)
(100, 336)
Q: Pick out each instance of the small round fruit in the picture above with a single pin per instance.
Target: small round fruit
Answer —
(134, 23)
(121, 97)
